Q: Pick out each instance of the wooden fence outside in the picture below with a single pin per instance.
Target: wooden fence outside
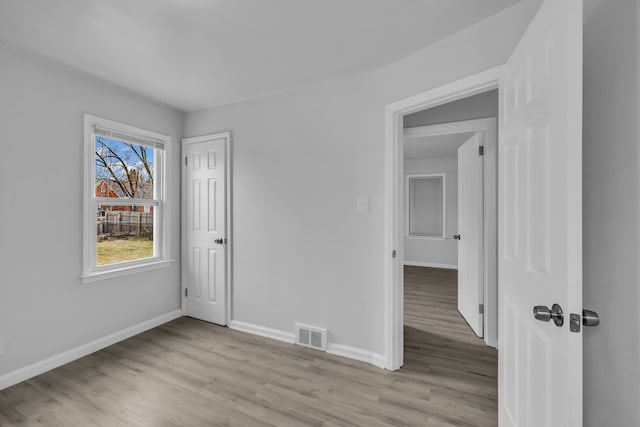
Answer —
(124, 223)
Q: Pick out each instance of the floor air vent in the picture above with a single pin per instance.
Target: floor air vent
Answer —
(310, 336)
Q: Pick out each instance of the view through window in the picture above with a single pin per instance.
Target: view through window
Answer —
(126, 202)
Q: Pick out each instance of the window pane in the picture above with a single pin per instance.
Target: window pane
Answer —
(124, 233)
(426, 210)
(124, 170)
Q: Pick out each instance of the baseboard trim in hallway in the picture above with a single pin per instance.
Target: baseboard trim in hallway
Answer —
(42, 366)
(431, 265)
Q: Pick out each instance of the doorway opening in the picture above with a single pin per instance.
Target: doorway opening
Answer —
(449, 256)
(444, 122)
(450, 202)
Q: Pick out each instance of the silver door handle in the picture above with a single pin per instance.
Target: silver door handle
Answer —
(219, 241)
(544, 314)
(590, 318)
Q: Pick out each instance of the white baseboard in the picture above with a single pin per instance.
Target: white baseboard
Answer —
(289, 337)
(431, 264)
(262, 331)
(37, 368)
(356, 354)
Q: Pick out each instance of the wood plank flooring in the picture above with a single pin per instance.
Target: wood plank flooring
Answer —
(191, 373)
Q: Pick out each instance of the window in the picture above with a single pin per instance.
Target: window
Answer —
(426, 213)
(125, 219)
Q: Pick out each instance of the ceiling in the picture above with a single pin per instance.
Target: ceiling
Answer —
(194, 54)
(434, 146)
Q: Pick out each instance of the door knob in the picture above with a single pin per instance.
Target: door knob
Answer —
(456, 237)
(218, 241)
(544, 314)
(590, 318)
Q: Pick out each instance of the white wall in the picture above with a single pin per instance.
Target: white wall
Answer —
(44, 309)
(611, 214)
(300, 159)
(442, 252)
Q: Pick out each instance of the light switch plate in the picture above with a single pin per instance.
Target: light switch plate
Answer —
(363, 203)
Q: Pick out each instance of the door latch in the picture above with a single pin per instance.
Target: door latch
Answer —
(589, 318)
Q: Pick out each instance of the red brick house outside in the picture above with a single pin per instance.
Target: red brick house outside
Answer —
(110, 189)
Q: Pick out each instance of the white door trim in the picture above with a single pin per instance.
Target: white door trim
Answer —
(394, 181)
(464, 126)
(229, 217)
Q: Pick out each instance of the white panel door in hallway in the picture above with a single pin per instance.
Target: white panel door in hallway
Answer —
(470, 233)
(540, 205)
(205, 240)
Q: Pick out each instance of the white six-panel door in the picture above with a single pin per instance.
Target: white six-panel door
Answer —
(540, 249)
(205, 217)
(470, 229)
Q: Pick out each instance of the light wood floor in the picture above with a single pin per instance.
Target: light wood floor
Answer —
(191, 373)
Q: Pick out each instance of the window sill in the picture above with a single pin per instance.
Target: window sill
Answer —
(414, 237)
(125, 270)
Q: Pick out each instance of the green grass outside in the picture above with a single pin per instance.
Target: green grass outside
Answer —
(114, 251)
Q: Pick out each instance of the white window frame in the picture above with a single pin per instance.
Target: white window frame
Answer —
(409, 199)
(161, 232)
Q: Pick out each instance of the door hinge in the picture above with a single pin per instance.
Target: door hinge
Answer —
(186, 292)
(481, 308)
(185, 160)
(481, 150)
(393, 253)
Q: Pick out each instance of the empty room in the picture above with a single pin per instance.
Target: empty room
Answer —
(335, 213)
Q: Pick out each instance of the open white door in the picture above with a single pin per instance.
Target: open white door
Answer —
(205, 228)
(470, 230)
(540, 226)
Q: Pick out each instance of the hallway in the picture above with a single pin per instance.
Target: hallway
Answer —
(462, 370)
